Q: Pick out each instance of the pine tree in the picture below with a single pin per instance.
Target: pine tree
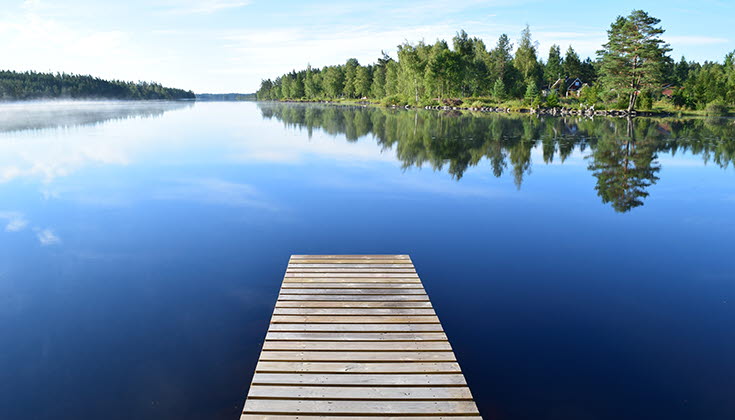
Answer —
(554, 65)
(632, 57)
(499, 92)
(532, 93)
(572, 64)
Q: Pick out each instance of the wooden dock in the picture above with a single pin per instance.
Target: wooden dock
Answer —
(353, 337)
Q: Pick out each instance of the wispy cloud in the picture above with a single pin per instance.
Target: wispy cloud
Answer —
(186, 7)
(47, 237)
(15, 221)
(214, 191)
(694, 40)
(31, 5)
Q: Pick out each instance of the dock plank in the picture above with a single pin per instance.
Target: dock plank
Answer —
(356, 337)
(352, 311)
(356, 327)
(351, 417)
(359, 336)
(362, 393)
(353, 304)
(346, 285)
(356, 367)
(360, 407)
(357, 345)
(359, 379)
(358, 356)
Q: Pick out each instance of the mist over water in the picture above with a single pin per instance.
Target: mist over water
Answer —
(19, 116)
(581, 268)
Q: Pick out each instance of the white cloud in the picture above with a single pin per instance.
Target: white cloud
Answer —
(47, 237)
(31, 5)
(694, 40)
(204, 6)
(43, 37)
(15, 221)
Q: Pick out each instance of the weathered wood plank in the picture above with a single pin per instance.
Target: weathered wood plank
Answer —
(359, 379)
(406, 265)
(387, 282)
(355, 367)
(353, 417)
(357, 345)
(353, 304)
(361, 393)
(352, 311)
(358, 356)
(350, 261)
(350, 270)
(363, 298)
(353, 292)
(361, 256)
(360, 407)
(346, 319)
(345, 285)
(354, 275)
(356, 327)
(366, 336)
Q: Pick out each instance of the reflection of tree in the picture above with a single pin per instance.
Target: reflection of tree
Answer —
(623, 152)
(624, 170)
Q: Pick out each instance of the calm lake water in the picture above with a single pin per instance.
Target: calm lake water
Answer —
(583, 269)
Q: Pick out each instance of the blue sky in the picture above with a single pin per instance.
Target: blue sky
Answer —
(230, 45)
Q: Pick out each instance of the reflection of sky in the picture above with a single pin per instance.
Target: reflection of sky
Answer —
(164, 240)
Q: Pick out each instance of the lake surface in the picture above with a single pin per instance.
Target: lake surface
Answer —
(582, 269)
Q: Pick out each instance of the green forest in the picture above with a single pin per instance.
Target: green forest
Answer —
(32, 85)
(633, 70)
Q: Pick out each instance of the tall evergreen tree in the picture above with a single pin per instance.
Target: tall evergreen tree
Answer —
(333, 81)
(363, 80)
(572, 64)
(499, 92)
(554, 65)
(525, 59)
(500, 62)
(632, 57)
(350, 72)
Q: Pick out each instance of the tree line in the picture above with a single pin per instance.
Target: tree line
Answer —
(632, 70)
(622, 153)
(32, 85)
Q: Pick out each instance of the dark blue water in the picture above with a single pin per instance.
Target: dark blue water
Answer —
(142, 247)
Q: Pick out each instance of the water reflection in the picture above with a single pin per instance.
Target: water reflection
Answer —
(624, 169)
(48, 139)
(622, 154)
(64, 114)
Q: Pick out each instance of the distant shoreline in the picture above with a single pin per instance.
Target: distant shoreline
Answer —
(30, 85)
